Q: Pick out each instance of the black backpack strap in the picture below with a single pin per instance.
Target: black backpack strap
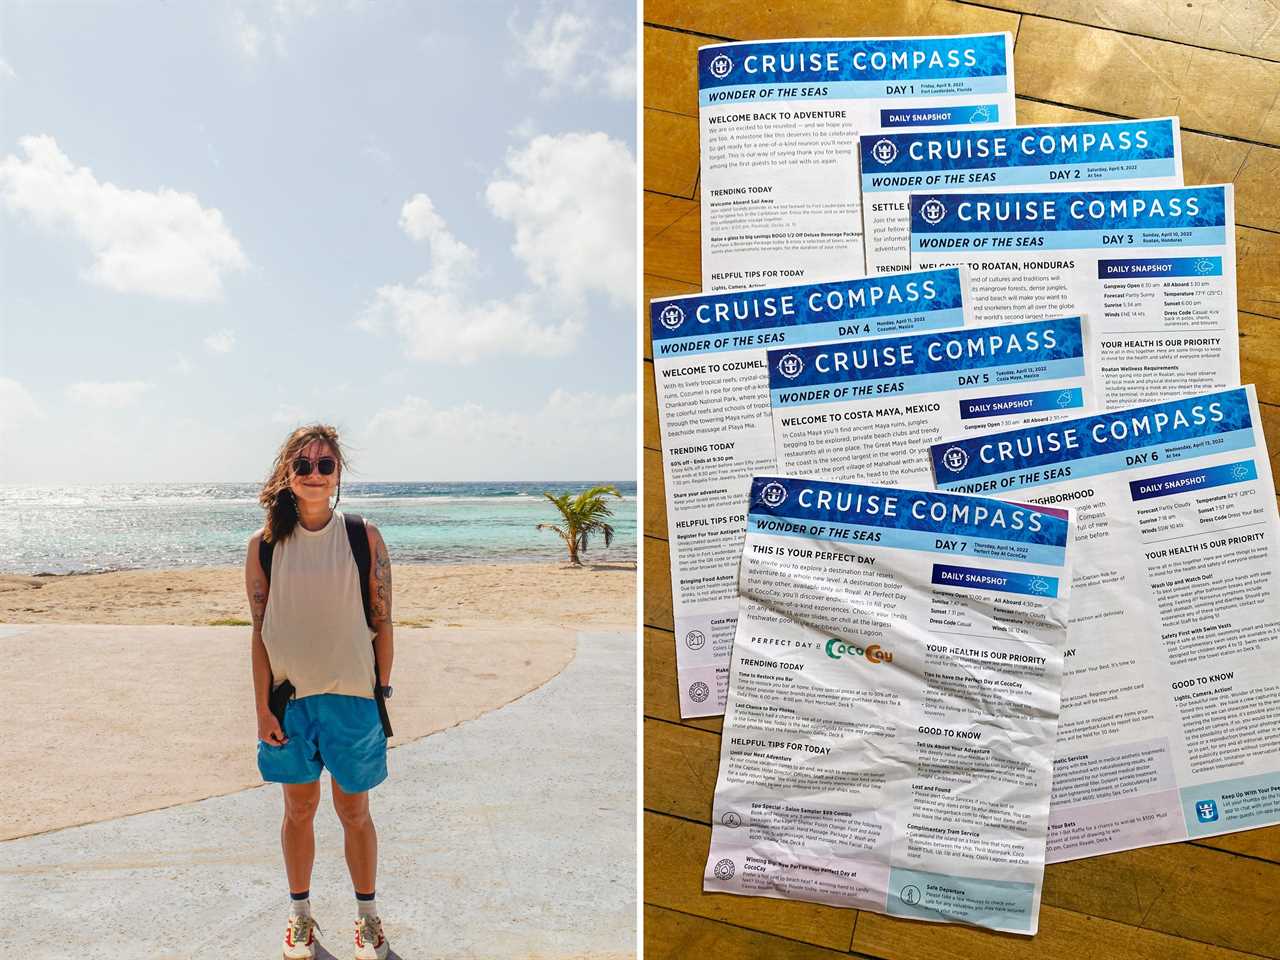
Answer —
(358, 537)
(265, 550)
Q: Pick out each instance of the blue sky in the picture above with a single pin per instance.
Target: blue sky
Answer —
(415, 221)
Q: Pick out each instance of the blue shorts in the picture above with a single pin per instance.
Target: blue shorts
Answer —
(328, 730)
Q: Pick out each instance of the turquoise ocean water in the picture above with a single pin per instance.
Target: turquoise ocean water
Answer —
(83, 529)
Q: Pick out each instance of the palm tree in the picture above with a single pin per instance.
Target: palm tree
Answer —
(581, 516)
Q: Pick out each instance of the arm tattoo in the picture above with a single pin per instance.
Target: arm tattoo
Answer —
(258, 605)
(381, 601)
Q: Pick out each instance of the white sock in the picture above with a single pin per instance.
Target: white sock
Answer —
(300, 908)
(366, 908)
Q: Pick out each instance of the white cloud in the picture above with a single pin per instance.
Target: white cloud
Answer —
(17, 406)
(576, 239)
(587, 435)
(182, 365)
(572, 242)
(161, 243)
(574, 49)
(119, 393)
(223, 341)
(452, 261)
(450, 327)
(7, 71)
(620, 76)
(274, 21)
(248, 36)
(553, 45)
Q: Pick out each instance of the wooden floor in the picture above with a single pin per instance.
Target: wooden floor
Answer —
(1215, 64)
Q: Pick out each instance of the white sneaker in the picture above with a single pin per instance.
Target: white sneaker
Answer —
(370, 943)
(300, 939)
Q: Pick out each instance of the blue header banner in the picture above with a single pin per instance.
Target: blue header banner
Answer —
(1005, 581)
(720, 315)
(850, 504)
(833, 61)
(1159, 267)
(1003, 147)
(1101, 435)
(939, 116)
(961, 213)
(1175, 483)
(974, 348)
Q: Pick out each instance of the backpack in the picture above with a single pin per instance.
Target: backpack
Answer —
(358, 539)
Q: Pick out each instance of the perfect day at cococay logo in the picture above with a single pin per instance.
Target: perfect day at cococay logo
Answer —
(838, 649)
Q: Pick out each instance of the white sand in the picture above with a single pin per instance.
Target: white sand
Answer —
(102, 721)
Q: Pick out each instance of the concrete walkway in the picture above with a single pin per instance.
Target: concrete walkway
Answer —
(512, 835)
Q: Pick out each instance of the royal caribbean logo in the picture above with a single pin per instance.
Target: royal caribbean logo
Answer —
(671, 316)
(884, 151)
(773, 495)
(838, 649)
(955, 459)
(1206, 811)
(720, 66)
(933, 211)
(790, 366)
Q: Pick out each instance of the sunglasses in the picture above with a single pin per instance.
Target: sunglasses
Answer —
(326, 465)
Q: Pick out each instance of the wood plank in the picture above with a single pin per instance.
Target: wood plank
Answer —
(1260, 355)
(661, 699)
(655, 496)
(680, 766)
(657, 585)
(675, 853)
(1136, 77)
(670, 164)
(1257, 196)
(677, 936)
(671, 70)
(660, 211)
(1264, 843)
(744, 20)
(655, 286)
(652, 435)
(677, 254)
(1063, 935)
(1248, 27)
(1258, 271)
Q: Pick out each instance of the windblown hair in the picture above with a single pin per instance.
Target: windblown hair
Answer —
(276, 497)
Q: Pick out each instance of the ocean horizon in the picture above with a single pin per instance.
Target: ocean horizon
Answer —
(52, 529)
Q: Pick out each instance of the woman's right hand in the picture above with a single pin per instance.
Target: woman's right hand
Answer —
(269, 730)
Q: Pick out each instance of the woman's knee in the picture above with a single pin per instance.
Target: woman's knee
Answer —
(301, 803)
(352, 809)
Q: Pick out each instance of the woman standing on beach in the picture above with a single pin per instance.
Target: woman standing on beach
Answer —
(322, 654)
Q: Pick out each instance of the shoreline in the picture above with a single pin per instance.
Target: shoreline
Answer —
(425, 594)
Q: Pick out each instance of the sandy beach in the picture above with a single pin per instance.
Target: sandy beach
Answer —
(545, 594)
(132, 677)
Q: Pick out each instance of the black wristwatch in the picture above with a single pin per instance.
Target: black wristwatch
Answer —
(386, 692)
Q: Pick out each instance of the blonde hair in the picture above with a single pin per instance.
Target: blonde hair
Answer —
(276, 496)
